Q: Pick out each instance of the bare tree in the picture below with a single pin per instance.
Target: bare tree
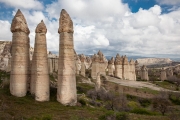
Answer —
(161, 102)
(116, 102)
(175, 80)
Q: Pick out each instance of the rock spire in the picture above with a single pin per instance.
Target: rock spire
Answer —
(66, 91)
(20, 55)
(39, 71)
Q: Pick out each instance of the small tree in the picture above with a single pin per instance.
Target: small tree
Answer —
(116, 102)
(175, 80)
(161, 102)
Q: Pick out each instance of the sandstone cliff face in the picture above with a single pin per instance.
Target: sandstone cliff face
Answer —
(153, 61)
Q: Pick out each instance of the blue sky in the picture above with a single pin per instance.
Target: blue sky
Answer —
(134, 5)
(131, 27)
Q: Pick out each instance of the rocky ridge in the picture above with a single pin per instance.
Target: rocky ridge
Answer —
(153, 61)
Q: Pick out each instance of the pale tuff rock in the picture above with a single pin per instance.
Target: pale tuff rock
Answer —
(78, 64)
(153, 61)
(19, 23)
(99, 64)
(144, 73)
(132, 73)
(66, 91)
(20, 56)
(136, 63)
(5, 55)
(111, 67)
(163, 75)
(125, 68)
(88, 62)
(169, 72)
(118, 66)
(39, 71)
(98, 82)
(65, 23)
(52, 64)
(95, 66)
(83, 67)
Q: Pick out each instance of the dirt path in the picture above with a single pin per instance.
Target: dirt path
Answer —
(137, 84)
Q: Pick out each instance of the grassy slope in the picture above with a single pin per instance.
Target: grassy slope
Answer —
(27, 108)
(165, 84)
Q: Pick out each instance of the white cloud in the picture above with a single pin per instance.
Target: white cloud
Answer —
(5, 33)
(108, 26)
(24, 4)
(168, 2)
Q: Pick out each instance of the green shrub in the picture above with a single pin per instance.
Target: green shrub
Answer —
(51, 77)
(82, 101)
(133, 104)
(88, 73)
(144, 102)
(43, 117)
(122, 116)
(74, 117)
(174, 99)
(142, 111)
(83, 88)
(110, 115)
(131, 97)
(46, 117)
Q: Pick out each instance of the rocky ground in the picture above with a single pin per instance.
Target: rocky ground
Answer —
(136, 84)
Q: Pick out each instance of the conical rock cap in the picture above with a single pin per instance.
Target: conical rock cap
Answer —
(65, 22)
(19, 23)
(41, 27)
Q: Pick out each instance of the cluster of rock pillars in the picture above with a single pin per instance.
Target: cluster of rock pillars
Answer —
(36, 75)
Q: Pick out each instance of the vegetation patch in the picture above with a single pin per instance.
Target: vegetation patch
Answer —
(111, 115)
(83, 88)
(166, 84)
(142, 111)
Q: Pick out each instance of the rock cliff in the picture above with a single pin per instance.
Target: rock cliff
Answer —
(153, 61)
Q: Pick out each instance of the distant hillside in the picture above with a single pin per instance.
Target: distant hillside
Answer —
(154, 61)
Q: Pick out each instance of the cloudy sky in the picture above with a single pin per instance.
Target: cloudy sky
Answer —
(131, 27)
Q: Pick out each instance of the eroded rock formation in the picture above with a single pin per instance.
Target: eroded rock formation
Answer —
(66, 91)
(98, 82)
(163, 75)
(132, 72)
(126, 69)
(99, 64)
(83, 67)
(111, 67)
(118, 66)
(20, 56)
(39, 70)
(144, 73)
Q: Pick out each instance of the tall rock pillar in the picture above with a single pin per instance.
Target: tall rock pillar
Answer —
(163, 75)
(118, 66)
(40, 64)
(83, 67)
(95, 66)
(66, 84)
(125, 68)
(144, 73)
(20, 55)
(110, 67)
(132, 72)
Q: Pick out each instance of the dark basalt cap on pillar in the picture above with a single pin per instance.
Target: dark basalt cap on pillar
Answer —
(41, 27)
(65, 22)
(19, 23)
